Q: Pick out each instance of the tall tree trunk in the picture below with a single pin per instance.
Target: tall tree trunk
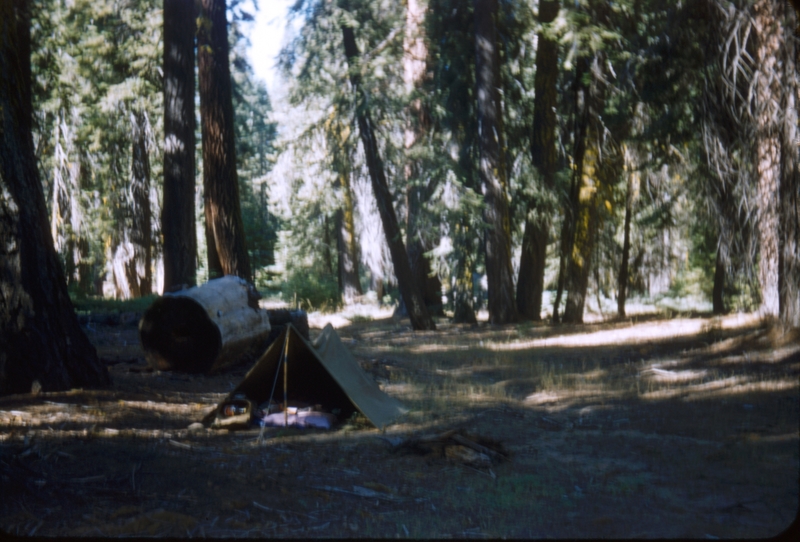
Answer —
(789, 270)
(418, 191)
(347, 267)
(40, 338)
(140, 268)
(463, 299)
(579, 259)
(497, 235)
(718, 293)
(177, 211)
(530, 281)
(224, 226)
(417, 312)
(580, 122)
(632, 187)
(768, 166)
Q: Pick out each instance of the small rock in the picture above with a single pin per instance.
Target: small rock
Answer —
(196, 427)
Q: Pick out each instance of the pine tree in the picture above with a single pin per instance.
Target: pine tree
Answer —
(417, 311)
(497, 235)
(177, 214)
(227, 252)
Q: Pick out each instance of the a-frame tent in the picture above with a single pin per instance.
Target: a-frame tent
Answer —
(323, 372)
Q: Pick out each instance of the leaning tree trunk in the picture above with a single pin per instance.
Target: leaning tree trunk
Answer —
(40, 338)
(497, 235)
(224, 226)
(417, 312)
(530, 282)
(767, 133)
(177, 212)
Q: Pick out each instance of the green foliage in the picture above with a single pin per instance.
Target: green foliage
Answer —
(311, 291)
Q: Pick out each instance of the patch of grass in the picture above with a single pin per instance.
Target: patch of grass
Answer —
(360, 318)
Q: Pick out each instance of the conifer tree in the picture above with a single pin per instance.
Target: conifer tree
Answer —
(40, 338)
(497, 235)
(225, 237)
(177, 214)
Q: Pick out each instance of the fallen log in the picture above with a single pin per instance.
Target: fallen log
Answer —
(205, 329)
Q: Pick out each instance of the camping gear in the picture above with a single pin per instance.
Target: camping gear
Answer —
(321, 420)
(323, 373)
(204, 329)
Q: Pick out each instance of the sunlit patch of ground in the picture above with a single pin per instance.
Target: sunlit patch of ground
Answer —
(664, 428)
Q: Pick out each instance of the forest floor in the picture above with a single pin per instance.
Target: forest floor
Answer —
(667, 428)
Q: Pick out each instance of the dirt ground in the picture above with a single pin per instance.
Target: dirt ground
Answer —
(658, 428)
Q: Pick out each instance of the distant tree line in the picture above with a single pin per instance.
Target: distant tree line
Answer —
(635, 147)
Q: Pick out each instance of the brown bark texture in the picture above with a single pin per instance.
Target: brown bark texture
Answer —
(530, 281)
(40, 338)
(224, 226)
(417, 312)
(177, 212)
(767, 92)
(497, 234)
(789, 257)
(419, 190)
(141, 267)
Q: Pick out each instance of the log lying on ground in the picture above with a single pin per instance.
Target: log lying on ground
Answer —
(280, 318)
(205, 329)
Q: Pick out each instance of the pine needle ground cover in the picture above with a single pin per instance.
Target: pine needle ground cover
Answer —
(657, 428)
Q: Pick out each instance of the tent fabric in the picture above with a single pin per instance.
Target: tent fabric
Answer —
(324, 373)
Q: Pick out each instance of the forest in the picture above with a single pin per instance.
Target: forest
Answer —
(564, 236)
(525, 158)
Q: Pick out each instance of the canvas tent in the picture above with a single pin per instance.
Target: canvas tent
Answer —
(323, 372)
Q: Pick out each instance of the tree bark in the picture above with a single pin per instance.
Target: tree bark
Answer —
(579, 259)
(415, 68)
(580, 98)
(463, 298)
(530, 281)
(177, 212)
(40, 338)
(347, 267)
(224, 226)
(768, 92)
(594, 167)
(497, 235)
(789, 257)
(417, 312)
(718, 294)
(632, 186)
(141, 266)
